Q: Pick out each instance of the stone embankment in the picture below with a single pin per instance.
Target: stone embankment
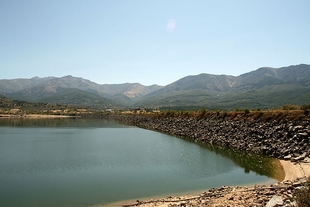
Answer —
(279, 138)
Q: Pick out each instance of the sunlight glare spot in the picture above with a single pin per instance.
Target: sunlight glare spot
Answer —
(171, 25)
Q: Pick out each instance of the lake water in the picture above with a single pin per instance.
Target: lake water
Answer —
(85, 162)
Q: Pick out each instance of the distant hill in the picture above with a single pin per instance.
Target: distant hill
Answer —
(51, 89)
(78, 97)
(293, 74)
(263, 88)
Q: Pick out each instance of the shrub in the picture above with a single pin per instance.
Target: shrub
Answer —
(305, 107)
(203, 112)
(290, 107)
(302, 195)
(186, 113)
(224, 114)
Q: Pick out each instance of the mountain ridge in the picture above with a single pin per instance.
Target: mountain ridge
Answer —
(263, 87)
(38, 89)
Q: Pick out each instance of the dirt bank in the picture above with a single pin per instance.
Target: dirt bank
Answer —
(295, 170)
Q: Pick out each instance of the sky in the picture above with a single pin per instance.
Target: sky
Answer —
(150, 41)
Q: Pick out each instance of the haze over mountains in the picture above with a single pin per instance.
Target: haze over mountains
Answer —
(263, 88)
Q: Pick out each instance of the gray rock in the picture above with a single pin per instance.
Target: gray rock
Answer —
(288, 157)
(301, 157)
(275, 201)
(305, 134)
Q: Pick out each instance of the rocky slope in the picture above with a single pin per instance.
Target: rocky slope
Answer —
(280, 135)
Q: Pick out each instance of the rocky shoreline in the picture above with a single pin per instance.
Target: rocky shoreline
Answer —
(279, 138)
(278, 194)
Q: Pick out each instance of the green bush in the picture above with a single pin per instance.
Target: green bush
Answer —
(290, 107)
(305, 107)
(203, 112)
(224, 114)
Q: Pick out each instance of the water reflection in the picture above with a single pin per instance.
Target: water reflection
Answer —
(59, 122)
(261, 165)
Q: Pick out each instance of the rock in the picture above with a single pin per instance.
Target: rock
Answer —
(301, 157)
(290, 204)
(295, 184)
(183, 203)
(275, 201)
(288, 157)
(305, 134)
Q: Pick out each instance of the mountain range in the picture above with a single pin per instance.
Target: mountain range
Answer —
(262, 88)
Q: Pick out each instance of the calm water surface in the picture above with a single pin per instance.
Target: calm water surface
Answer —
(77, 162)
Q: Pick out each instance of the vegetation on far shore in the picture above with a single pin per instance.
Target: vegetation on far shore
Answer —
(21, 108)
(292, 112)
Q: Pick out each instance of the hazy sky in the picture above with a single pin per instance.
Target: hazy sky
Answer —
(150, 41)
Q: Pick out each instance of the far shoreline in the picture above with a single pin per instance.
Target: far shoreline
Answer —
(35, 116)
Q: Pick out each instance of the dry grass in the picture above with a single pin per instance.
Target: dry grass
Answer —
(268, 115)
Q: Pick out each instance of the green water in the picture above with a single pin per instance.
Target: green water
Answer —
(84, 162)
